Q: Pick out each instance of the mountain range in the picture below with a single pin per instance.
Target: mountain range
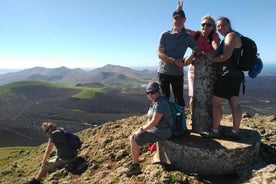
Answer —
(109, 74)
(78, 99)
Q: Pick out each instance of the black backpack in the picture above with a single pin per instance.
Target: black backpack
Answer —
(249, 54)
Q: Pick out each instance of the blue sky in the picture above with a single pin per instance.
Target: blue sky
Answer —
(93, 33)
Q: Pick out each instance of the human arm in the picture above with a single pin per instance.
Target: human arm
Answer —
(191, 32)
(215, 42)
(189, 59)
(231, 42)
(48, 150)
(180, 7)
(156, 117)
(164, 57)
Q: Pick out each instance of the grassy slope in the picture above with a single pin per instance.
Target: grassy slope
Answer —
(107, 149)
(85, 92)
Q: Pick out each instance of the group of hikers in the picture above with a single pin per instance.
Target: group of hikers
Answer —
(171, 50)
(172, 47)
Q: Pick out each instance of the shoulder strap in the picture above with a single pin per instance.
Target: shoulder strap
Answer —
(171, 111)
(210, 37)
(197, 35)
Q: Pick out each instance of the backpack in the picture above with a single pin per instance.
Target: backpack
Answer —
(77, 166)
(256, 69)
(249, 55)
(179, 127)
(73, 140)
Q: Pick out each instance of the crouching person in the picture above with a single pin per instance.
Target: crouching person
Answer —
(64, 152)
(157, 128)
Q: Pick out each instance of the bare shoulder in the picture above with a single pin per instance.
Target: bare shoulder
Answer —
(233, 39)
(232, 35)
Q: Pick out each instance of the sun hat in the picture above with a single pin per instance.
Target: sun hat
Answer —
(153, 86)
(256, 69)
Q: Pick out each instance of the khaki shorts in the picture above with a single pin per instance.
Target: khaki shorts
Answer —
(55, 163)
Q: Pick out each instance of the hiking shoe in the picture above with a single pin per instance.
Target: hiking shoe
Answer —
(234, 135)
(210, 134)
(133, 169)
(33, 181)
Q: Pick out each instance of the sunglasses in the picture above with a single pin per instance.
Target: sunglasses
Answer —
(206, 24)
(151, 92)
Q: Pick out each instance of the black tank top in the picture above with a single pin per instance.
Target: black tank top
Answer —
(229, 67)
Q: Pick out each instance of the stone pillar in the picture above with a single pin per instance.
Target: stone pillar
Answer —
(204, 78)
(194, 154)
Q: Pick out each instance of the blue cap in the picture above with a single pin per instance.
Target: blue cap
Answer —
(256, 69)
(153, 86)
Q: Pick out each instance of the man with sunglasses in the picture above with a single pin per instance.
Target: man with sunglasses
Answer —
(171, 50)
(158, 126)
(64, 152)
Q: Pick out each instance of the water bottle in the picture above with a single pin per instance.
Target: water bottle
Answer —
(179, 121)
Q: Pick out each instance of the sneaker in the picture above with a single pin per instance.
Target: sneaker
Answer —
(133, 169)
(33, 181)
(234, 135)
(210, 134)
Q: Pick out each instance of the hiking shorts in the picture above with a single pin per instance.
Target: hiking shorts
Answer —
(55, 163)
(226, 87)
(153, 135)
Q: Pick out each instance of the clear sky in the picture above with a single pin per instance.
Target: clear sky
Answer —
(93, 33)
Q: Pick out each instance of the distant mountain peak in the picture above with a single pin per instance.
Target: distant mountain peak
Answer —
(109, 74)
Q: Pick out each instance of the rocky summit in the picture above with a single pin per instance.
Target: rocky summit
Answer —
(106, 147)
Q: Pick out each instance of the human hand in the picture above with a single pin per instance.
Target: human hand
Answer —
(209, 55)
(179, 63)
(137, 133)
(179, 5)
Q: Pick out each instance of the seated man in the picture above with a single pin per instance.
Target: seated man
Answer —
(157, 128)
(64, 152)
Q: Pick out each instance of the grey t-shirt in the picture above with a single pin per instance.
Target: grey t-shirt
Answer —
(175, 46)
(162, 106)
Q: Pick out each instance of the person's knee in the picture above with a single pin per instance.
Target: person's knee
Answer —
(234, 102)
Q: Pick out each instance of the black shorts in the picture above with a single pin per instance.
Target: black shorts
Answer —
(226, 87)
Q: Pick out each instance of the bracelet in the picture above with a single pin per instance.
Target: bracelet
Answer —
(141, 129)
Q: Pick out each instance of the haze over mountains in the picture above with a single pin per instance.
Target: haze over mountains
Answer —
(109, 74)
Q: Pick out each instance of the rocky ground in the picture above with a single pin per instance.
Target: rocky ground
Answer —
(107, 149)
